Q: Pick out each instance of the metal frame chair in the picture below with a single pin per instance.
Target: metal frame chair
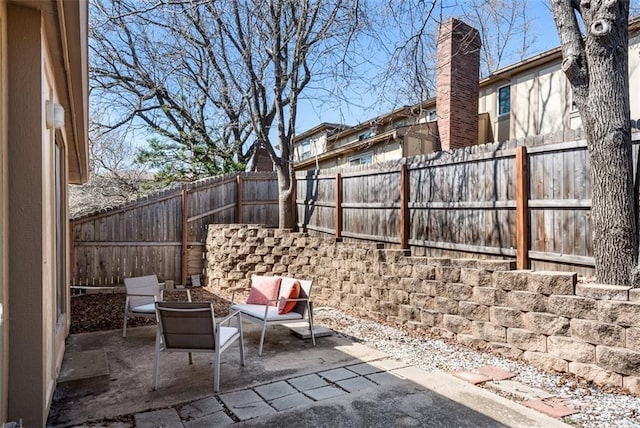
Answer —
(142, 293)
(192, 327)
(268, 315)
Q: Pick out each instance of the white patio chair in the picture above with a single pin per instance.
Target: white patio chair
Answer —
(268, 315)
(142, 293)
(191, 327)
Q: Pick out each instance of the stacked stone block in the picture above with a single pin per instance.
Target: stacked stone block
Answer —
(545, 318)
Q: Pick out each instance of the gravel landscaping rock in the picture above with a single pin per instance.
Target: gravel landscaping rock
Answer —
(597, 406)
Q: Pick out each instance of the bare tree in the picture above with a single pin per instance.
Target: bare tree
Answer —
(269, 52)
(505, 30)
(507, 34)
(596, 64)
(210, 76)
(115, 178)
(153, 67)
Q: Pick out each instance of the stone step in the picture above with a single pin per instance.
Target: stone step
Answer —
(301, 330)
(518, 389)
(82, 373)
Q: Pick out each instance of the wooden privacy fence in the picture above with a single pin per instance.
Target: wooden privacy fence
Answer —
(165, 234)
(529, 199)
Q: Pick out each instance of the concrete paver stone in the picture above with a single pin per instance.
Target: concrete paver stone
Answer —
(550, 407)
(275, 390)
(246, 404)
(355, 384)
(495, 373)
(84, 364)
(200, 408)
(519, 389)
(364, 369)
(238, 398)
(472, 378)
(325, 392)
(446, 402)
(163, 418)
(305, 383)
(101, 424)
(301, 331)
(290, 401)
(253, 410)
(413, 374)
(337, 374)
(384, 378)
(388, 364)
(217, 419)
(361, 352)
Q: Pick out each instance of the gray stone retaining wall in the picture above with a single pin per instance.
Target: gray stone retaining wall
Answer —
(545, 318)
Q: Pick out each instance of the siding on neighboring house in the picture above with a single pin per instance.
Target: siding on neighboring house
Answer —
(536, 95)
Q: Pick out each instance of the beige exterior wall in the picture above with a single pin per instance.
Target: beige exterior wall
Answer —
(541, 99)
(39, 62)
(387, 151)
(4, 290)
(634, 78)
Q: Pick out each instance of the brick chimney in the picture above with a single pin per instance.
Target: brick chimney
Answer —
(261, 160)
(457, 84)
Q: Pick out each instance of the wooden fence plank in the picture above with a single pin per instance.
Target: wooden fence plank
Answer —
(338, 207)
(522, 209)
(454, 203)
(239, 200)
(185, 238)
(404, 207)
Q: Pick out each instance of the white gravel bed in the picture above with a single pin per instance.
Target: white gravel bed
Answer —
(597, 408)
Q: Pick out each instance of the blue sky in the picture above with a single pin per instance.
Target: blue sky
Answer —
(314, 112)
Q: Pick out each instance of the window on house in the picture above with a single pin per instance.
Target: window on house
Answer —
(364, 136)
(504, 100)
(305, 150)
(431, 115)
(361, 159)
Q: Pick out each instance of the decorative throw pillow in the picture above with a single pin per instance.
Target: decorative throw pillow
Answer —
(263, 289)
(291, 292)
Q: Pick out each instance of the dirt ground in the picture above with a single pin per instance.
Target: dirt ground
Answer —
(98, 312)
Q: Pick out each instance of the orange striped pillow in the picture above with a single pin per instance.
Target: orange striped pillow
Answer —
(291, 292)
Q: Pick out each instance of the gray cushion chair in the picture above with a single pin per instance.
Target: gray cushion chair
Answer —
(191, 327)
(142, 293)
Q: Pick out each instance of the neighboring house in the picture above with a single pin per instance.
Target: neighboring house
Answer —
(532, 97)
(404, 132)
(43, 148)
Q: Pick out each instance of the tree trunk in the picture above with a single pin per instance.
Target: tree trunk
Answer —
(286, 181)
(598, 71)
(606, 123)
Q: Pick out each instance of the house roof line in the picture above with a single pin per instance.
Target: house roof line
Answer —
(503, 74)
(539, 59)
(353, 146)
(323, 125)
(384, 117)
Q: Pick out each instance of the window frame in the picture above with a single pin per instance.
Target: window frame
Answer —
(305, 145)
(508, 112)
(368, 154)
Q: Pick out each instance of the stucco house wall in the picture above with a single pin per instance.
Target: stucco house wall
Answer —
(43, 147)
